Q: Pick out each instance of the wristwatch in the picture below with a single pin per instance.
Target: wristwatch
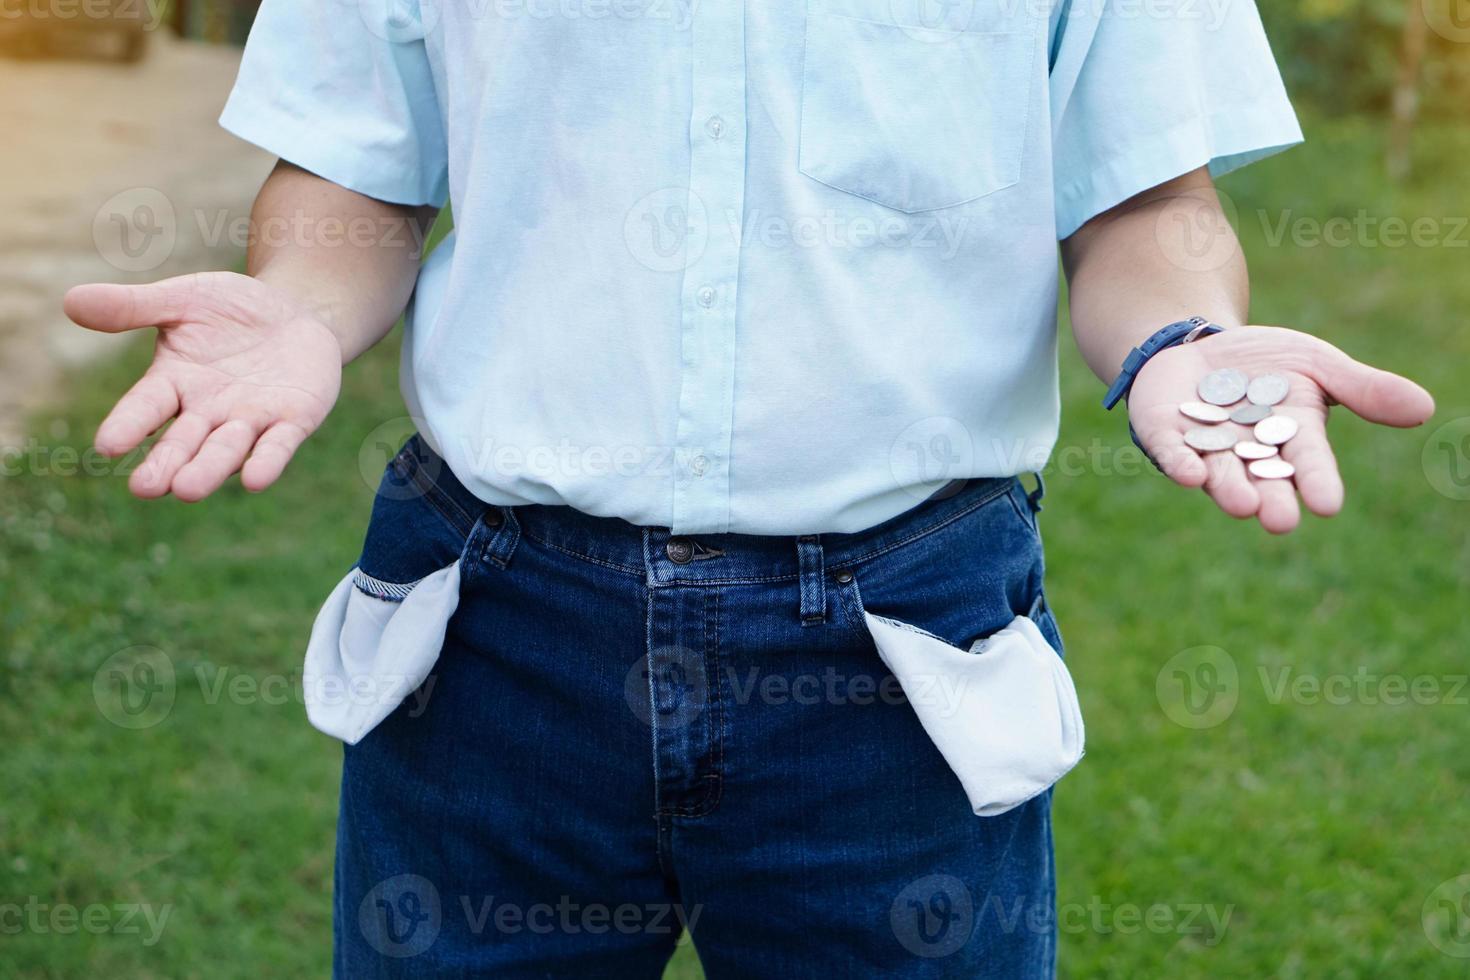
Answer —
(1183, 332)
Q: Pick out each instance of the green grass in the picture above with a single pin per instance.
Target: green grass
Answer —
(1322, 828)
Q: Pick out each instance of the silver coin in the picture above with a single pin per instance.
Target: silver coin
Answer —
(1250, 414)
(1246, 449)
(1223, 387)
(1268, 389)
(1209, 439)
(1203, 412)
(1273, 468)
(1275, 430)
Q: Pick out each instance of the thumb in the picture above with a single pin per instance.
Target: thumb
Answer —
(1376, 395)
(112, 308)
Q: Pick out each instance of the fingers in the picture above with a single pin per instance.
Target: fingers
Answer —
(1179, 462)
(137, 415)
(1317, 478)
(112, 308)
(1229, 485)
(178, 445)
(272, 452)
(218, 458)
(1376, 395)
(1165, 445)
(1279, 512)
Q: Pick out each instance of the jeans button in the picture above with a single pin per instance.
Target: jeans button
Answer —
(679, 550)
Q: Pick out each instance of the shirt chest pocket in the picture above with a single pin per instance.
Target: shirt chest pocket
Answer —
(913, 116)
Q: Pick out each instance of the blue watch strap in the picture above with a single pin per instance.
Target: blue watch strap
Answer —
(1183, 332)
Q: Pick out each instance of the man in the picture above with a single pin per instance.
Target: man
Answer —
(724, 378)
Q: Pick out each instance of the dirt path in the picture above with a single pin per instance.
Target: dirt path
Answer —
(110, 173)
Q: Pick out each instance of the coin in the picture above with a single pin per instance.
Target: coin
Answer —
(1274, 468)
(1275, 429)
(1246, 449)
(1267, 389)
(1203, 412)
(1209, 439)
(1223, 387)
(1250, 414)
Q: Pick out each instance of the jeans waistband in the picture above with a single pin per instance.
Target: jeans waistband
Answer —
(667, 558)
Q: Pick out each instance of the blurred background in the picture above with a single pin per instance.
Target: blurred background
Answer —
(1277, 775)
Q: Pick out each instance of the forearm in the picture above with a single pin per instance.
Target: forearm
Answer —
(351, 260)
(1164, 256)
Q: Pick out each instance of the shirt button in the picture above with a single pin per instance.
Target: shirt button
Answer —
(706, 296)
(715, 126)
(679, 551)
(699, 464)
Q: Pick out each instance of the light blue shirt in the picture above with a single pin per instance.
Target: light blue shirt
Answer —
(769, 267)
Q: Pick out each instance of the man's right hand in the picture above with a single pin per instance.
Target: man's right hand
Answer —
(244, 370)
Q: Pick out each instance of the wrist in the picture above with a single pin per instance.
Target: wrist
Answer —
(1173, 335)
(307, 299)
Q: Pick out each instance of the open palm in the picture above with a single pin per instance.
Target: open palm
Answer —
(1320, 376)
(245, 372)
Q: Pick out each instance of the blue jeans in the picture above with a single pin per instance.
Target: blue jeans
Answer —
(630, 735)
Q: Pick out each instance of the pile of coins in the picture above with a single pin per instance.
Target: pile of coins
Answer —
(1228, 395)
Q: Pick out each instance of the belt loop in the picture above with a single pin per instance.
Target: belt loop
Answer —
(496, 535)
(1034, 497)
(813, 581)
